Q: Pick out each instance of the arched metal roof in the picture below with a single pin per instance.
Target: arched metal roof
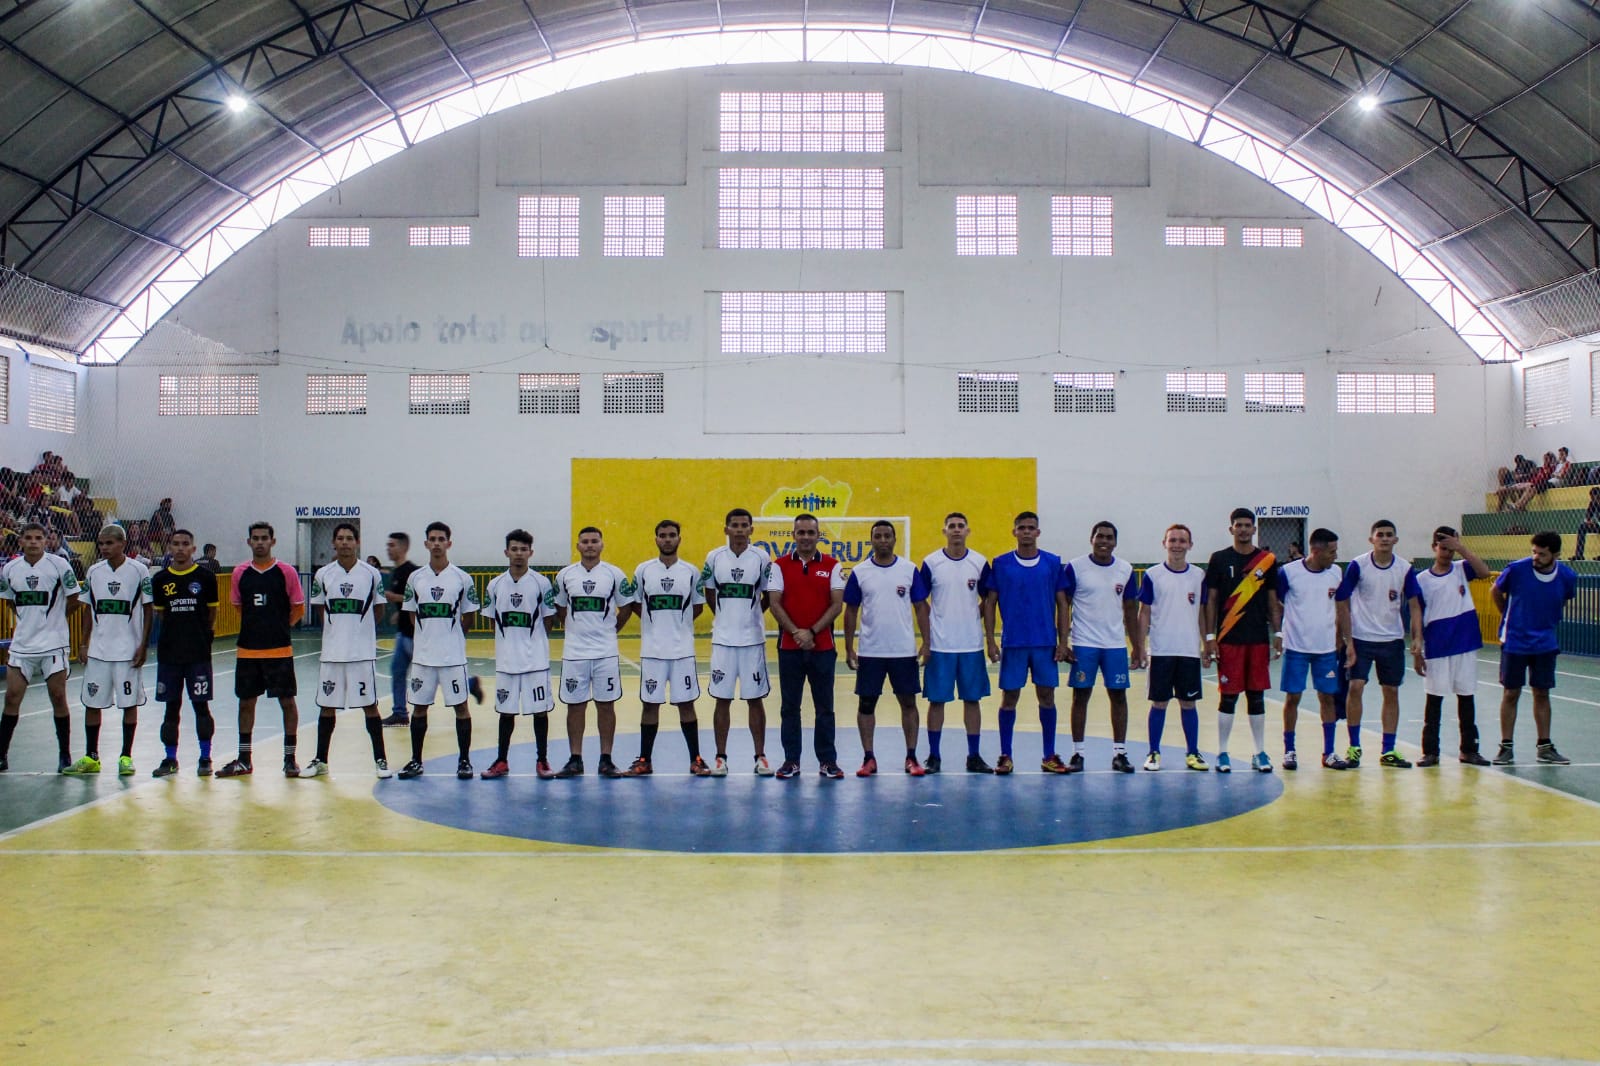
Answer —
(1469, 126)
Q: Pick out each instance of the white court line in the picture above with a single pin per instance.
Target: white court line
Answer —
(1553, 695)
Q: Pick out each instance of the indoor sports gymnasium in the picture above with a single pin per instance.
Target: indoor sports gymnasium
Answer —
(1058, 382)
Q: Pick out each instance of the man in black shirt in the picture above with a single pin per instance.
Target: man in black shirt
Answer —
(404, 626)
(1241, 581)
(186, 596)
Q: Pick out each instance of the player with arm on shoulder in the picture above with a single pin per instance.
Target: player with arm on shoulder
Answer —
(350, 593)
(521, 603)
(1102, 605)
(1445, 643)
(1170, 600)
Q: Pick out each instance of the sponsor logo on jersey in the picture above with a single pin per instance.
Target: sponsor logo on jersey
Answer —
(32, 599)
(588, 604)
(517, 620)
(346, 606)
(435, 610)
(664, 602)
(122, 607)
(734, 591)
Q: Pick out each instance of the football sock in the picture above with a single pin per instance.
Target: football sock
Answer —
(419, 732)
(1388, 741)
(1119, 749)
(541, 735)
(933, 742)
(1008, 725)
(63, 735)
(464, 735)
(127, 737)
(647, 738)
(1224, 728)
(205, 727)
(508, 724)
(289, 745)
(8, 726)
(325, 724)
(1190, 717)
(1258, 730)
(92, 739)
(169, 729)
(1355, 734)
(1328, 737)
(1288, 740)
(1158, 725)
(244, 748)
(375, 733)
(1047, 727)
(1467, 718)
(973, 740)
(911, 753)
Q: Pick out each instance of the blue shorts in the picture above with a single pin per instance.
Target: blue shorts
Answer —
(1324, 669)
(902, 675)
(1537, 670)
(952, 672)
(1017, 663)
(1389, 656)
(173, 679)
(1111, 663)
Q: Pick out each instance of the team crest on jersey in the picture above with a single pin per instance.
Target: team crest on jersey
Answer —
(501, 695)
(92, 687)
(572, 684)
(1191, 597)
(1119, 590)
(33, 581)
(1463, 590)
(113, 587)
(1394, 594)
(666, 584)
(717, 676)
(516, 599)
(346, 589)
(1258, 574)
(1331, 593)
(194, 588)
(436, 591)
(972, 583)
(650, 684)
(328, 687)
(588, 587)
(416, 684)
(900, 590)
(738, 573)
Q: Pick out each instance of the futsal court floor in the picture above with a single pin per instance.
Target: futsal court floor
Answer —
(1384, 916)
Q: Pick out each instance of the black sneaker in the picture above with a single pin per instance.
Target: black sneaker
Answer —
(788, 769)
(290, 767)
(608, 768)
(203, 768)
(1472, 758)
(1430, 759)
(1506, 756)
(464, 769)
(398, 718)
(167, 768)
(1075, 764)
(5, 764)
(933, 764)
(1547, 753)
(574, 767)
(410, 770)
(976, 765)
(1120, 763)
(832, 771)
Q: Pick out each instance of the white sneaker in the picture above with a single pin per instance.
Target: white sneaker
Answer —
(1152, 761)
(314, 768)
(763, 768)
(382, 768)
(1291, 761)
(720, 767)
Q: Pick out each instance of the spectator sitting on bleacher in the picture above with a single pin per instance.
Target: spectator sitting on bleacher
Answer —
(1510, 477)
(54, 545)
(1590, 523)
(1526, 489)
(161, 523)
(86, 515)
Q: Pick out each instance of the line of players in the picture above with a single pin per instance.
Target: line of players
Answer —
(1085, 612)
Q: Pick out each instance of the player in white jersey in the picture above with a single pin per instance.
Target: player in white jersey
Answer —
(1371, 600)
(1305, 623)
(1447, 655)
(120, 612)
(1170, 600)
(590, 596)
(350, 592)
(667, 598)
(953, 662)
(885, 592)
(1104, 611)
(441, 595)
(734, 581)
(43, 590)
(521, 602)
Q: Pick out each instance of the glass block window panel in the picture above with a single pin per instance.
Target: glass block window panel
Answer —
(441, 394)
(52, 399)
(1196, 236)
(634, 394)
(1080, 225)
(1272, 237)
(978, 393)
(5, 389)
(1086, 394)
(819, 323)
(339, 237)
(1275, 393)
(986, 225)
(795, 208)
(440, 236)
(209, 394)
(547, 227)
(801, 122)
(636, 226)
(1594, 383)
(1197, 392)
(1384, 394)
(336, 394)
(547, 394)
(1546, 394)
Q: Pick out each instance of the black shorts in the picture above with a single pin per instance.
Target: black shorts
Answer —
(173, 679)
(902, 675)
(1389, 656)
(275, 677)
(1536, 671)
(1174, 677)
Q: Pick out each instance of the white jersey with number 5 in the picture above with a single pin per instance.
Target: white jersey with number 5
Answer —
(592, 599)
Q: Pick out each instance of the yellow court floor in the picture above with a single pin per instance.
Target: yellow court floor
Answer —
(1421, 916)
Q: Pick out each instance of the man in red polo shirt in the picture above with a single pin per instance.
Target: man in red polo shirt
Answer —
(806, 594)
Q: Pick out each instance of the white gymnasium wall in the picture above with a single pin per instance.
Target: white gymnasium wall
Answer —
(20, 443)
(1579, 431)
(1148, 309)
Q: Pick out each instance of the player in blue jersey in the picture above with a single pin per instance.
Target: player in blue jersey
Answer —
(1531, 594)
(1027, 589)
(1103, 607)
(1447, 654)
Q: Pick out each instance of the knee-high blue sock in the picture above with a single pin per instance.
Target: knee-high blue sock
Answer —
(1327, 737)
(1355, 734)
(1190, 716)
(973, 739)
(1158, 725)
(1288, 740)
(1008, 725)
(933, 742)
(1047, 727)
(1388, 742)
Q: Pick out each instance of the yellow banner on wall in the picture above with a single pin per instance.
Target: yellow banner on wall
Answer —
(625, 498)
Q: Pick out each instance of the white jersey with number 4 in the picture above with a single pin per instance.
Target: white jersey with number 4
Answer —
(347, 599)
(738, 580)
(117, 598)
(39, 592)
(518, 608)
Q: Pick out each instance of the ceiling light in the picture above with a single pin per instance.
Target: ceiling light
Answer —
(236, 103)
(1367, 102)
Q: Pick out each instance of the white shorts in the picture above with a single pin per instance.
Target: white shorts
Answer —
(424, 681)
(46, 665)
(583, 680)
(528, 693)
(111, 685)
(658, 677)
(1452, 675)
(742, 668)
(348, 684)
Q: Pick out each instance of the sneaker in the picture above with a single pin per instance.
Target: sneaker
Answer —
(1053, 765)
(125, 766)
(1352, 757)
(1003, 765)
(1291, 760)
(1075, 764)
(315, 768)
(1394, 760)
(763, 767)
(1506, 755)
(5, 764)
(1119, 763)
(63, 763)
(498, 768)
(789, 769)
(1152, 761)
(203, 768)
(933, 765)
(1195, 761)
(607, 768)
(410, 770)
(398, 718)
(381, 768)
(640, 767)
(868, 768)
(1331, 761)
(573, 768)
(237, 768)
(1472, 758)
(1225, 766)
(290, 767)
(543, 771)
(82, 767)
(719, 767)
(167, 768)
(475, 688)
(1261, 764)
(976, 765)
(1547, 753)
(698, 767)
(832, 771)
(1431, 759)
(914, 768)
(463, 769)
